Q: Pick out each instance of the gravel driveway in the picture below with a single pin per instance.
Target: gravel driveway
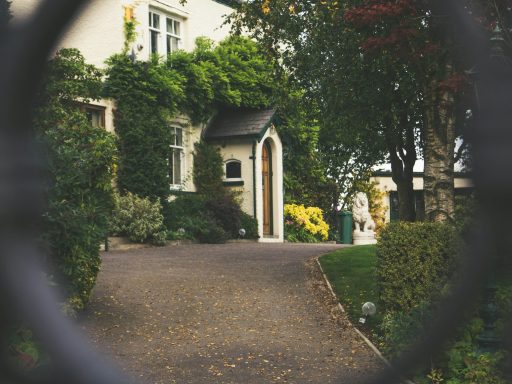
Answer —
(233, 313)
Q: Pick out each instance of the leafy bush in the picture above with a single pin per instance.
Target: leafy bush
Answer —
(211, 233)
(210, 219)
(81, 166)
(226, 211)
(139, 219)
(304, 224)
(190, 213)
(250, 224)
(400, 329)
(415, 261)
(465, 214)
(208, 169)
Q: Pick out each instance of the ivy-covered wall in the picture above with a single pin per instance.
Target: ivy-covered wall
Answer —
(149, 95)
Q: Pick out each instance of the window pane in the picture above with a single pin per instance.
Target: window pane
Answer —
(154, 41)
(171, 167)
(95, 117)
(156, 21)
(177, 166)
(175, 44)
(169, 44)
(172, 44)
(233, 170)
(179, 137)
(177, 28)
(170, 26)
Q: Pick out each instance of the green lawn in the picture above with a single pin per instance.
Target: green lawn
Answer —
(352, 274)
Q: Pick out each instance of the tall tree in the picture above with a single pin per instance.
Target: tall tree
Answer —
(360, 98)
(416, 33)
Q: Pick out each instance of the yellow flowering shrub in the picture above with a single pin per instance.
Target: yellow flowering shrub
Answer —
(305, 224)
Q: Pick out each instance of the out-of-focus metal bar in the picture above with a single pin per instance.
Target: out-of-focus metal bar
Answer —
(24, 49)
(492, 143)
(23, 52)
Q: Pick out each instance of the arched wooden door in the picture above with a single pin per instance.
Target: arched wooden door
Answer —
(266, 167)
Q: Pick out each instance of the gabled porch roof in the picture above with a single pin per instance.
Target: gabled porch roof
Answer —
(240, 123)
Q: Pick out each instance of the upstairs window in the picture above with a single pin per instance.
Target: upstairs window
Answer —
(164, 33)
(95, 114)
(154, 31)
(175, 156)
(233, 170)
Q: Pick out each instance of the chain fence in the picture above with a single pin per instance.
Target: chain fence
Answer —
(24, 294)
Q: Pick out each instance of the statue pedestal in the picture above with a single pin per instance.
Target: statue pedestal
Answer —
(364, 238)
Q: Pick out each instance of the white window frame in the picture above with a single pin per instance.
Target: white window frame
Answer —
(152, 29)
(162, 46)
(173, 148)
(226, 170)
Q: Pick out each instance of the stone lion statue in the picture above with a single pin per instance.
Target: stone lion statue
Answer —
(362, 219)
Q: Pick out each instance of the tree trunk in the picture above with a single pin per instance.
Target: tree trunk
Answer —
(403, 156)
(406, 206)
(439, 148)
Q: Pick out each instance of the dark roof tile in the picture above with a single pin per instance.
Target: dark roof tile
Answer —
(240, 122)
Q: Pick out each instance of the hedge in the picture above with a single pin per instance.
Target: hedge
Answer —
(414, 262)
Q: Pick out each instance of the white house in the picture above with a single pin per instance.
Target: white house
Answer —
(249, 143)
(253, 158)
(462, 183)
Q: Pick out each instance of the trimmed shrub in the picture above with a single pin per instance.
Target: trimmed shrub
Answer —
(139, 219)
(304, 224)
(414, 262)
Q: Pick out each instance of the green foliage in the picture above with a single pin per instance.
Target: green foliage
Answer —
(226, 211)
(210, 219)
(304, 224)
(250, 224)
(352, 272)
(130, 33)
(305, 179)
(233, 74)
(25, 353)
(190, 213)
(400, 329)
(415, 261)
(208, 169)
(140, 219)
(150, 94)
(81, 163)
(147, 96)
(466, 212)
(248, 70)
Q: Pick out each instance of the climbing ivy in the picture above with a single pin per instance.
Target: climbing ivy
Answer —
(235, 73)
(147, 96)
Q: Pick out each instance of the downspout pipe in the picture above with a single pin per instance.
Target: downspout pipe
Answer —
(253, 157)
